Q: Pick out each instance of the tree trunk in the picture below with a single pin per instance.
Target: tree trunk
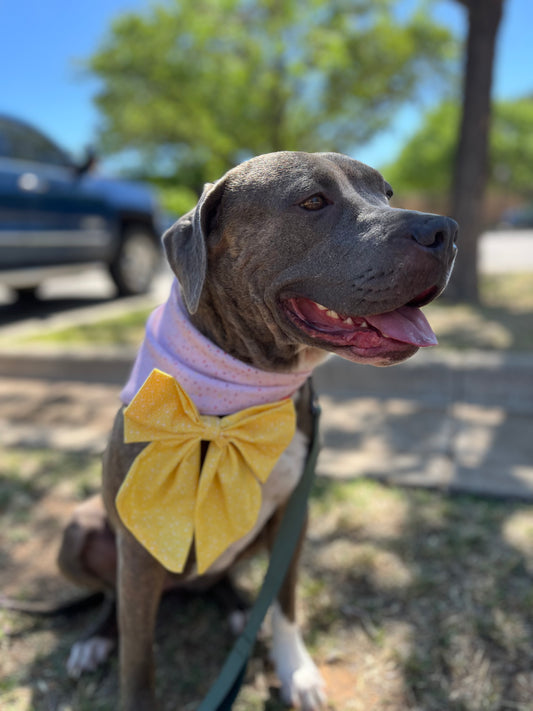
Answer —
(471, 161)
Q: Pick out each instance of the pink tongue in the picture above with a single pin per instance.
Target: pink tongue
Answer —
(407, 324)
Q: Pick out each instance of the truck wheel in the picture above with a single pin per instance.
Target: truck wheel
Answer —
(27, 295)
(136, 261)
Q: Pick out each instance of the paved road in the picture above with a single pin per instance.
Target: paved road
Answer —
(90, 284)
(506, 251)
(68, 300)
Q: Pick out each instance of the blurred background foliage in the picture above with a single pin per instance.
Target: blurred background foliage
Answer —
(426, 162)
(190, 87)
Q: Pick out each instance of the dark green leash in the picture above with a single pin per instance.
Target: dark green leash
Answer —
(226, 687)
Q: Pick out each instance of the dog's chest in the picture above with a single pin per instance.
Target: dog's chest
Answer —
(277, 489)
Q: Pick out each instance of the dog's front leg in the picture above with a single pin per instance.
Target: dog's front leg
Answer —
(140, 583)
(302, 685)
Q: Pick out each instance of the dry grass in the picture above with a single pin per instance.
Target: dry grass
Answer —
(411, 601)
(124, 330)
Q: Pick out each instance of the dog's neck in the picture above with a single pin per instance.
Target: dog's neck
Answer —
(248, 337)
(217, 382)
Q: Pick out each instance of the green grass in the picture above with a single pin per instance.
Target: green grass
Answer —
(124, 330)
(410, 600)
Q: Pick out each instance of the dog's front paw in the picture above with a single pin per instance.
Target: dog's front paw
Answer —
(87, 655)
(304, 688)
(302, 685)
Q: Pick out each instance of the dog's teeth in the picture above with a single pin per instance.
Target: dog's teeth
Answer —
(348, 321)
(322, 308)
(332, 314)
(363, 324)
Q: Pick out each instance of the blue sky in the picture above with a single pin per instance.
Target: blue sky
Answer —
(43, 41)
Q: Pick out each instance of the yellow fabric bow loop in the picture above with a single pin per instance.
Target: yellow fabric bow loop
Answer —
(165, 501)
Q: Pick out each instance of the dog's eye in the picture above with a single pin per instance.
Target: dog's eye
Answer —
(315, 202)
(389, 193)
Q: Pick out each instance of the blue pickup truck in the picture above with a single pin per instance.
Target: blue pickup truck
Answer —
(57, 216)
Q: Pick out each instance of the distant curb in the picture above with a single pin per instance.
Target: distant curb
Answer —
(90, 365)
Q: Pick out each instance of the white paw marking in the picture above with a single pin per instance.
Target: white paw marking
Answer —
(302, 685)
(86, 656)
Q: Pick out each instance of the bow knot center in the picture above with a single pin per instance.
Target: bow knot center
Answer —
(213, 430)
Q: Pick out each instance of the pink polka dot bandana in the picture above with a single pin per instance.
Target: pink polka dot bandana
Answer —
(217, 383)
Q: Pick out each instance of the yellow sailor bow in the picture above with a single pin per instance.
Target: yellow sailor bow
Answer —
(165, 501)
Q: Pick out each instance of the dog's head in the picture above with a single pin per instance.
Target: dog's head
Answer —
(296, 251)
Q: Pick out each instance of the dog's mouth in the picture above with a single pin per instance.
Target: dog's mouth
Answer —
(389, 336)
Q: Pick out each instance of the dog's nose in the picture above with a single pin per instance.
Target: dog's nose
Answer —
(434, 232)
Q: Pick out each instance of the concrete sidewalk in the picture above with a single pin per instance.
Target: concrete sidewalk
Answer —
(454, 421)
(457, 422)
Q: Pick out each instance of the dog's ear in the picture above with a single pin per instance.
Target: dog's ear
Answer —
(185, 243)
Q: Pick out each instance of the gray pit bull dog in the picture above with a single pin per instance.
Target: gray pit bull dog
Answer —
(287, 258)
